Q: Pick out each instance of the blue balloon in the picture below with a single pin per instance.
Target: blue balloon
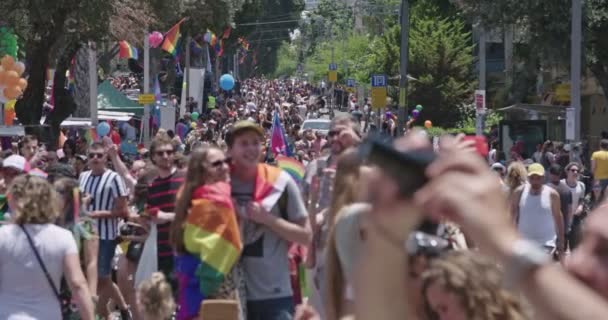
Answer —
(103, 128)
(226, 82)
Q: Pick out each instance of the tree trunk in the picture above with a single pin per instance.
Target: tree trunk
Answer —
(601, 74)
(81, 78)
(106, 59)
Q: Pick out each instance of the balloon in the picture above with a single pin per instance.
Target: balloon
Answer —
(194, 116)
(9, 116)
(19, 67)
(415, 113)
(227, 82)
(12, 78)
(22, 84)
(155, 38)
(428, 124)
(103, 128)
(10, 105)
(419, 107)
(7, 62)
(12, 92)
(193, 125)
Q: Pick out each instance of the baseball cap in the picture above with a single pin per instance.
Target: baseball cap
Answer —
(536, 169)
(498, 165)
(243, 126)
(16, 162)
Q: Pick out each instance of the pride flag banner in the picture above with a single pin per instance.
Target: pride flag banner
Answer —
(171, 38)
(294, 167)
(278, 142)
(213, 243)
(126, 51)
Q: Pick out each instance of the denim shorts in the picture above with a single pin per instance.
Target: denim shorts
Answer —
(107, 250)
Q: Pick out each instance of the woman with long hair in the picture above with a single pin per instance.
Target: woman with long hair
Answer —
(463, 285)
(36, 254)
(74, 218)
(516, 176)
(344, 218)
(205, 234)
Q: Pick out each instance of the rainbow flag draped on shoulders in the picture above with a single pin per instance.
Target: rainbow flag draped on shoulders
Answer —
(269, 185)
(213, 243)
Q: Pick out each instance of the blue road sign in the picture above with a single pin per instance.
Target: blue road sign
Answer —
(378, 80)
(350, 82)
(333, 67)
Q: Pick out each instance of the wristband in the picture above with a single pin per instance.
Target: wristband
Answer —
(525, 257)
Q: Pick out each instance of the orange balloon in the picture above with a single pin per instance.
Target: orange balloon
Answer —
(12, 92)
(22, 84)
(7, 62)
(9, 116)
(428, 124)
(12, 79)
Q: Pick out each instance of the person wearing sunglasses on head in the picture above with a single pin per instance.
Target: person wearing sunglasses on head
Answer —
(107, 206)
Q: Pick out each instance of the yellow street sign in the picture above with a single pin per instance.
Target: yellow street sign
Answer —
(332, 76)
(147, 98)
(378, 97)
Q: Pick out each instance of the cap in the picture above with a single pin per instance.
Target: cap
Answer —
(498, 165)
(16, 162)
(243, 126)
(536, 169)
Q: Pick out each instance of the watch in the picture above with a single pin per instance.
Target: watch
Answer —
(526, 257)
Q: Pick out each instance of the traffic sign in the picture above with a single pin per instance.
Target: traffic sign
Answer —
(333, 67)
(378, 91)
(332, 76)
(350, 83)
(480, 101)
(147, 98)
(378, 80)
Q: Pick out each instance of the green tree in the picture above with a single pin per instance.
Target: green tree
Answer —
(440, 59)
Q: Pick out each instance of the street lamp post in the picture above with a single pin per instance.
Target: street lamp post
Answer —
(404, 57)
(575, 66)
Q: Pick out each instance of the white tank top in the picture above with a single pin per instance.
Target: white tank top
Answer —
(536, 218)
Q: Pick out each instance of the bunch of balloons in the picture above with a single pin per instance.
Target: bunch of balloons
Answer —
(11, 83)
(416, 112)
(155, 38)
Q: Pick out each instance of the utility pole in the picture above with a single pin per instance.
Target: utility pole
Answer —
(575, 66)
(93, 82)
(404, 54)
(333, 84)
(146, 118)
(482, 78)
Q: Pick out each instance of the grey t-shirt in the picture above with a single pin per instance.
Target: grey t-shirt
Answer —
(264, 256)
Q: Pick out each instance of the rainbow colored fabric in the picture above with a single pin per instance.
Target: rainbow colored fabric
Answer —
(171, 38)
(294, 167)
(213, 242)
(126, 51)
(269, 185)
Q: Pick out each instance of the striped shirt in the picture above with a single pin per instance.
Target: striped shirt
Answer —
(161, 194)
(104, 190)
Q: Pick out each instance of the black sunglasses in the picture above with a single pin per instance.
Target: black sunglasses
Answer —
(96, 155)
(218, 163)
(573, 170)
(163, 152)
(333, 133)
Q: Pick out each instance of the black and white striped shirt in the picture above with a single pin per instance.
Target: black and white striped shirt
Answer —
(104, 189)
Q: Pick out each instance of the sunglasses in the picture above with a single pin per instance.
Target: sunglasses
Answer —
(574, 170)
(96, 155)
(333, 133)
(219, 163)
(163, 152)
(426, 244)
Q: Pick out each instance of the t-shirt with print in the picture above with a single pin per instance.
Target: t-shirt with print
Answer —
(264, 257)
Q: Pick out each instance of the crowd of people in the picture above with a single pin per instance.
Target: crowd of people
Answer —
(204, 224)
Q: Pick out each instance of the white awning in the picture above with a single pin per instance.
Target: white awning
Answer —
(102, 115)
(12, 131)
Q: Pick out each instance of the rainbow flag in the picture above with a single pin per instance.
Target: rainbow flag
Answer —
(213, 243)
(219, 48)
(278, 141)
(294, 167)
(171, 38)
(127, 51)
(270, 182)
(91, 135)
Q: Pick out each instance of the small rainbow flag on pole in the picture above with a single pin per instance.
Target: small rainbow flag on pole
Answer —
(127, 51)
(171, 38)
(91, 135)
(294, 167)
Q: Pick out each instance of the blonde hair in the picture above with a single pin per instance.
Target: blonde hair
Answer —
(33, 200)
(344, 193)
(477, 283)
(517, 175)
(155, 298)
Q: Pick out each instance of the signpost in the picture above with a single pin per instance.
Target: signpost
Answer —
(480, 106)
(350, 85)
(378, 91)
(332, 76)
(146, 98)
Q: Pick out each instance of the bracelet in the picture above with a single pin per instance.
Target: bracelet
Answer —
(526, 256)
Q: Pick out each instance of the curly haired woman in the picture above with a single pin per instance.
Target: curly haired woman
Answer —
(463, 285)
